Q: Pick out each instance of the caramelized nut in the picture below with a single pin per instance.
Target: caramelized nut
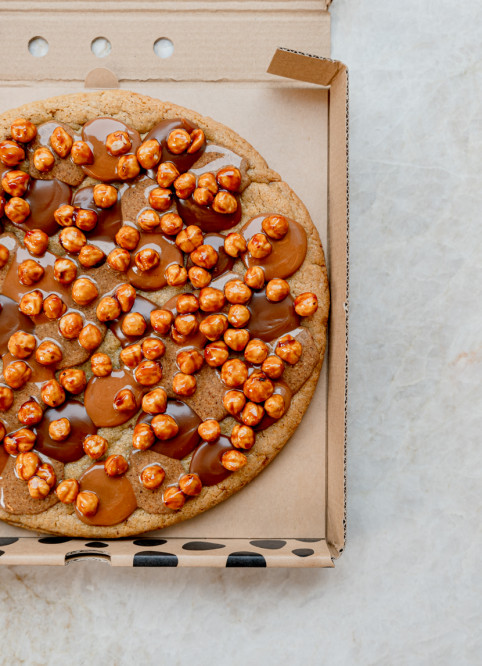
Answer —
(275, 226)
(178, 141)
(119, 259)
(204, 256)
(256, 352)
(259, 246)
(233, 460)
(176, 275)
(236, 339)
(174, 498)
(161, 321)
(108, 309)
(30, 413)
(186, 324)
(81, 153)
(202, 196)
(190, 361)
(47, 473)
(90, 337)
(128, 167)
(164, 426)
(29, 272)
(306, 304)
(52, 393)
(153, 348)
(61, 142)
(238, 315)
(73, 380)
(152, 476)
(211, 300)
(131, 355)
(277, 289)
(167, 174)
(183, 384)
(23, 130)
(155, 401)
(90, 256)
(148, 373)
(229, 178)
(225, 203)
(64, 216)
(21, 441)
(143, 437)
(36, 241)
(189, 238)
(190, 484)
(197, 141)
(147, 259)
(126, 295)
(234, 373)
(95, 446)
(134, 324)
(237, 292)
(252, 414)
(289, 349)
(208, 181)
(242, 437)
(149, 154)
(84, 291)
(72, 239)
(216, 354)
(6, 398)
(209, 430)
(258, 387)
(26, 465)
(65, 271)
(17, 374)
(127, 238)
(85, 219)
(101, 365)
(11, 153)
(160, 198)
(275, 406)
(15, 183)
(31, 303)
(48, 353)
(87, 503)
(118, 143)
(234, 244)
(148, 220)
(199, 277)
(4, 254)
(105, 196)
(60, 429)
(116, 465)
(43, 159)
(187, 304)
(67, 491)
(171, 224)
(70, 325)
(38, 488)
(185, 184)
(21, 344)
(53, 306)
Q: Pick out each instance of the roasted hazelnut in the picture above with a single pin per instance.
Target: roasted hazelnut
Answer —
(81, 153)
(43, 159)
(73, 380)
(155, 401)
(70, 325)
(52, 393)
(234, 244)
(306, 304)
(197, 141)
(259, 246)
(252, 414)
(21, 344)
(118, 143)
(211, 300)
(61, 142)
(208, 181)
(21, 441)
(238, 316)
(190, 361)
(90, 337)
(26, 465)
(236, 339)
(30, 272)
(289, 349)
(190, 484)
(72, 239)
(84, 291)
(108, 309)
(101, 365)
(167, 174)
(160, 198)
(85, 219)
(204, 256)
(202, 196)
(4, 255)
(186, 324)
(153, 348)
(105, 196)
(87, 503)
(237, 292)
(275, 406)
(173, 498)
(131, 355)
(152, 476)
(31, 303)
(147, 259)
(128, 167)
(48, 353)
(233, 460)
(164, 426)
(149, 154)
(17, 374)
(178, 141)
(234, 373)
(215, 354)
(126, 295)
(36, 241)
(67, 491)
(256, 351)
(119, 259)
(64, 216)
(148, 373)
(277, 289)
(187, 304)
(161, 321)
(134, 324)
(183, 384)
(275, 226)
(258, 387)
(143, 437)
(38, 488)
(209, 430)
(229, 178)
(242, 437)
(185, 184)
(199, 277)
(30, 413)
(189, 238)
(60, 429)
(90, 256)
(175, 275)
(95, 446)
(15, 183)
(6, 398)
(127, 238)
(53, 306)
(65, 271)
(23, 130)
(171, 224)
(47, 473)
(225, 203)
(116, 465)
(148, 220)
(11, 153)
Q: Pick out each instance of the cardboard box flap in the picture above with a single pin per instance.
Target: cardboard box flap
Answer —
(304, 67)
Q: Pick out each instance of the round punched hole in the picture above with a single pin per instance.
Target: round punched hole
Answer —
(38, 47)
(101, 47)
(163, 47)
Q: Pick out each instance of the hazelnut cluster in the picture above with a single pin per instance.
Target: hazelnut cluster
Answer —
(40, 476)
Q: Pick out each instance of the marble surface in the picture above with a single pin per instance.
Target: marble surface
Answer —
(407, 590)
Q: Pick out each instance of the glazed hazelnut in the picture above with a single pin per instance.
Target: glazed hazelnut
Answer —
(134, 324)
(48, 353)
(43, 159)
(202, 196)
(233, 460)
(108, 309)
(183, 384)
(234, 244)
(127, 238)
(85, 219)
(15, 183)
(277, 289)
(30, 413)
(216, 353)
(6, 398)
(306, 304)
(11, 153)
(242, 437)
(178, 141)
(90, 256)
(229, 178)
(4, 255)
(118, 143)
(176, 275)
(190, 361)
(101, 365)
(26, 465)
(87, 503)
(21, 344)
(275, 406)
(153, 348)
(131, 355)
(258, 387)
(53, 306)
(65, 271)
(38, 488)
(126, 295)
(70, 325)
(105, 196)
(161, 321)
(155, 401)
(147, 259)
(252, 414)
(148, 220)
(61, 142)
(259, 246)
(209, 430)
(211, 300)
(199, 277)
(143, 437)
(17, 374)
(171, 224)
(21, 441)
(190, 484)
(119, 259)
(187, 304)
(185, 184)
(189, 238)
(275, 226)
(164, 426)
(52, 393)
(234, 373)
(152, 476)
(208, 181)
(116, 465)
(204, 256)
(149, 153)
(73, 380)
(36, 241)
(148, 373)
(237, 292)
(81, 153)
(23, 130)
(174, 498)
(84, 291)
(64, 216)
(236, 339)
(254, 277)
(225, 203)
(90, 337)
(30, 272)
(289, 349)
(238, 316)
(167, 174)
(186, 324)
(60, 429)
(128, 167)
(31, 303)
(95, 446)
(197, 141)
(256, 352)
(160, 198)
(47, 473)
(67, 491)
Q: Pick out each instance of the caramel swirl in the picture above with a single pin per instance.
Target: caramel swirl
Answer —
(95, 132)
(116, 496)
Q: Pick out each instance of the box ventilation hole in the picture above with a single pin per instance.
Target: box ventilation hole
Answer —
(101, 47)
(163, 47)
(38, 47)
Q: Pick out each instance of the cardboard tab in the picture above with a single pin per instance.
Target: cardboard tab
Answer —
(102, 78)
(304, 67)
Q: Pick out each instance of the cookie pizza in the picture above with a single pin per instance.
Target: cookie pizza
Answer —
(163, 313)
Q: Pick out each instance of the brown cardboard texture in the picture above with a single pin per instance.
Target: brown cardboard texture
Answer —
(295, 115)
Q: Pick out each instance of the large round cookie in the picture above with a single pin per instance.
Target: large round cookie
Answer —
(297, 256)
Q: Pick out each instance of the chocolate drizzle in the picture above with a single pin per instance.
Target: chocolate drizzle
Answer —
(100, 393)
(269, 320)
(44, 197)
(142, 306)
(206, 461)
(160, 132)
(70, 449)
(95, 132)
(187, 438)
(206, 218)
(116, 496)
(155, 278)
(3, 458)
(11, 321)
